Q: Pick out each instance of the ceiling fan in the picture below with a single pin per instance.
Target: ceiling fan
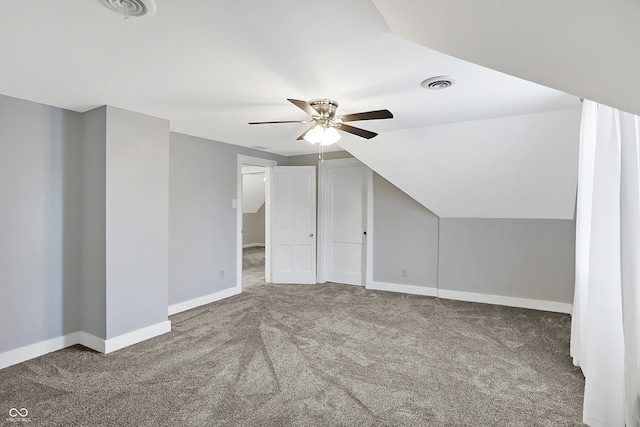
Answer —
(325, 122)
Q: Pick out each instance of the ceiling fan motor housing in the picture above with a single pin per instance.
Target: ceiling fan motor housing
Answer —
(325, 107)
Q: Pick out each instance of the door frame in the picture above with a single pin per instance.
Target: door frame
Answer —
(323, 232)
(267, 164)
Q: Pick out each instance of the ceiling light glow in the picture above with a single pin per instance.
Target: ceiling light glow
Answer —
(321, 135)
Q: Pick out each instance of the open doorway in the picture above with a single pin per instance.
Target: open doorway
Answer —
(253, 220)
(253, 225)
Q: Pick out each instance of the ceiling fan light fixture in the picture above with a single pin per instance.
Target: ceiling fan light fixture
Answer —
(326, 123)
(331, 136)
(321, 135)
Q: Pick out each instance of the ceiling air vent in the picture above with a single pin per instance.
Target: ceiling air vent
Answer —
(129, 8)
(438, 83)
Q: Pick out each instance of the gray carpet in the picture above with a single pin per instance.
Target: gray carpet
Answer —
(316, 355)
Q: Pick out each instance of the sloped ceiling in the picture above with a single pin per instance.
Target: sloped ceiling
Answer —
(210, 67)
(521, 166)
(588, 48)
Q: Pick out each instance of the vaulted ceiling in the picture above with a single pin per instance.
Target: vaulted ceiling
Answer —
(212, 66)
(588, 48)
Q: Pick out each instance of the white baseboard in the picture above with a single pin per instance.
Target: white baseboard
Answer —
(22, 354)
(253, 245)
(91, 341)
(207, 299)
(405, 289)
(134, 337)
(32, 351)
(557, 307)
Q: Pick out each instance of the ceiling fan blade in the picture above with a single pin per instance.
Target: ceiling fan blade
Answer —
(301, 137)
(304, 106)
(369, 115)
(357, 131)
(282, 121)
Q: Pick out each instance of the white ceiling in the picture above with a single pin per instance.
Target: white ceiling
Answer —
(212, 66)
(521, 166)
(588, 48)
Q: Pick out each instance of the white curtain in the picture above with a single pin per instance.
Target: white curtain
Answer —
(605, 335)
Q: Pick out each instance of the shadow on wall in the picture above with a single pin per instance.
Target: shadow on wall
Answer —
(66, 134)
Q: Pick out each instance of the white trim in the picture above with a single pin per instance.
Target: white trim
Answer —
(137, 336)
(320, 232)
(207, 299)
(267, 226)
(266, 163)
(405, 289)
(557, 307)
(553, 306)
(253, 245)
(91, 341)
(31, 351)
(368, 273)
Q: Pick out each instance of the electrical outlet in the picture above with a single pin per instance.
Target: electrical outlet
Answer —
(222, 274)
(403, 272)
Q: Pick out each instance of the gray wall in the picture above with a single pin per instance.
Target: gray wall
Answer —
(521, 258)
(405, 236)
(202, 221)
(94, 292)
(54, 213)
(253, 227)
(40, 207)
(137, 220)
(312, 159)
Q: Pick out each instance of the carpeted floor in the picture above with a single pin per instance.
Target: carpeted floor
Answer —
(316, 355)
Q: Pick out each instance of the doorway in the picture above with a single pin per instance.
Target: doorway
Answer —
(257, 227)
(361, 262)
(253, 225)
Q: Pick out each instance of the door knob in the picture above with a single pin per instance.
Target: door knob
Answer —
(311, 235)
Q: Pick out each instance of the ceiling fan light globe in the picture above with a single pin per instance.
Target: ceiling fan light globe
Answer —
(315, 135)
(331, 136)
(321, 135)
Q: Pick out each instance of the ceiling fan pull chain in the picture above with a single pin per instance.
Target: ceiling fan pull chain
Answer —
(126, 4)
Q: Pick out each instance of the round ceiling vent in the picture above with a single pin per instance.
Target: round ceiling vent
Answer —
(129, 8)
(438, 83)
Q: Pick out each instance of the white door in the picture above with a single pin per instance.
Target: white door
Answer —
(293, 229)
(344, 210)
